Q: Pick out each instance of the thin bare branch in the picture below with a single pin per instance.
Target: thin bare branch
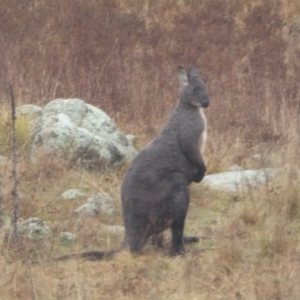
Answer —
(14, 152)
(1, 196)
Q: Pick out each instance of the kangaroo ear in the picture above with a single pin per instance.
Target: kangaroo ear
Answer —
(183, 78)
(192, 72)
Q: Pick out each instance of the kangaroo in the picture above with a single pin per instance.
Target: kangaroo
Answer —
(155, 189)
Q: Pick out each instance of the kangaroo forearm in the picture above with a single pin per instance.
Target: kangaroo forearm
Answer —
(200, 173)
(196, 160)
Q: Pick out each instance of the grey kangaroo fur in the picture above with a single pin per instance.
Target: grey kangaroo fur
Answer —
(155, 190)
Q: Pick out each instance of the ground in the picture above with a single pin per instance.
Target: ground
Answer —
(122, 57)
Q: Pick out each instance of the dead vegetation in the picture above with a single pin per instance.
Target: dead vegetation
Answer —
(122, 56)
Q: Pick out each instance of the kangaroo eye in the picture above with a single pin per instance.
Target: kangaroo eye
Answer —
(196, 89)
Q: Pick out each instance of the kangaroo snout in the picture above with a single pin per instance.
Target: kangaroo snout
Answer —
(205, 103)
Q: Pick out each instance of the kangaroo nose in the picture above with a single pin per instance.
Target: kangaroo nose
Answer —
(205, 103)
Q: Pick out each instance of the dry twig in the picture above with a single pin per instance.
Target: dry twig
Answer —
(14, 152)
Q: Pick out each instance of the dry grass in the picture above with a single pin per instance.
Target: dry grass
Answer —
(122, 56)
(249, 246)
(23, 132)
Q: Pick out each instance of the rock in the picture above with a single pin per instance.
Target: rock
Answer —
(34, 228)
(101, 202)
(3, 160)
(115, 229)
(29, 110)
(67, 238)
(237, 180)
(74, 129)
(89, 209)
(104, 202)
(72, 194)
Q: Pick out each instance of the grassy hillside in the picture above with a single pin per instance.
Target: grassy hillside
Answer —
(122, 56)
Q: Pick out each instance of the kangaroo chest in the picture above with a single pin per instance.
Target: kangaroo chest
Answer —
(203, 136)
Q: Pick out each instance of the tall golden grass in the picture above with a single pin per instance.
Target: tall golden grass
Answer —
(122, 56)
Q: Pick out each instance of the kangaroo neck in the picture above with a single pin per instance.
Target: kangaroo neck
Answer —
(189, 106)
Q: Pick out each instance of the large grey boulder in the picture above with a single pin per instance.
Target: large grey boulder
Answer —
(237, 180)
(79, 131)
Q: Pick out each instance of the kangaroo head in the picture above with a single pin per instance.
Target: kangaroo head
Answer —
(192, 88)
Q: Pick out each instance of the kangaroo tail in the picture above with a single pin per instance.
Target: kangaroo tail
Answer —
(190, 239)
(91, 255)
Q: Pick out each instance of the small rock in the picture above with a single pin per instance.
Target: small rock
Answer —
(115, 229)
(87, 209)
(34, 228)
(67, 238)
(104, 202)
(237, 180)
(3, 160)
(72, 194)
